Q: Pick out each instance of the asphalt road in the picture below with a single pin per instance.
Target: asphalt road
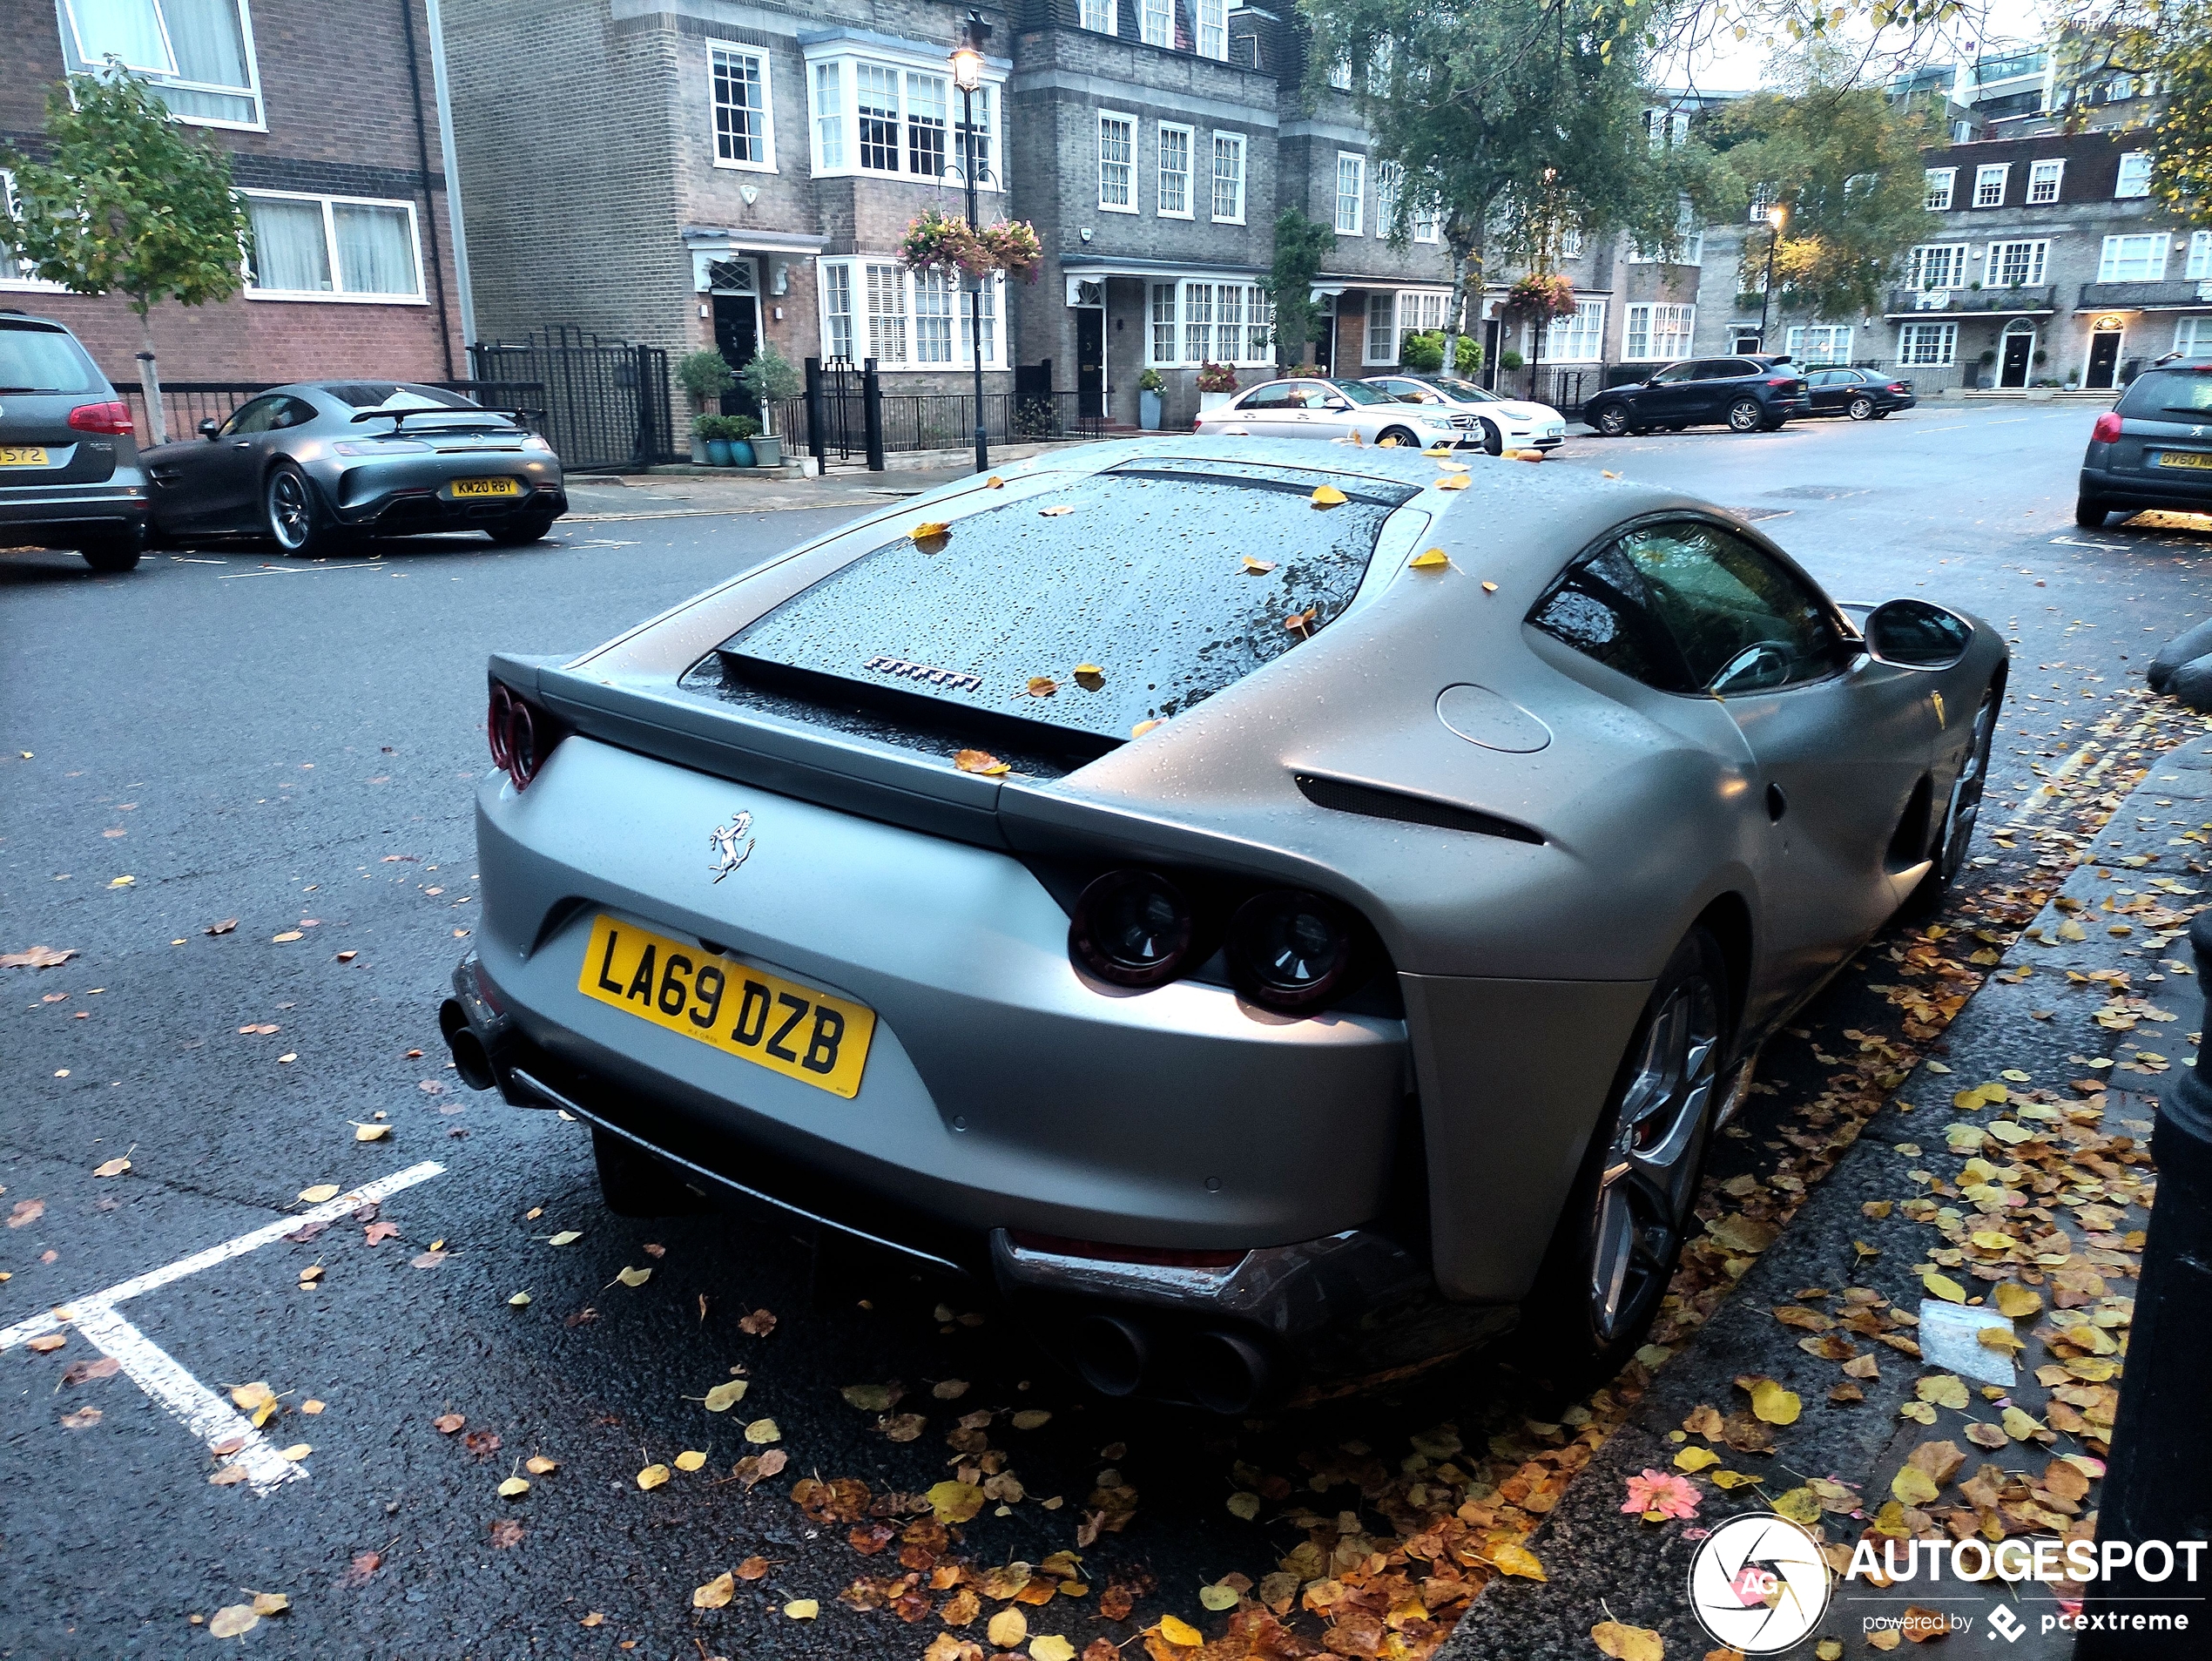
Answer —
(292, 745)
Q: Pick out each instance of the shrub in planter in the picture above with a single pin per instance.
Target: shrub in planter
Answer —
(1423, 353)
(706, 375)
(732, 435)
(1510, 358)
(1304, 372)
(1217, 377)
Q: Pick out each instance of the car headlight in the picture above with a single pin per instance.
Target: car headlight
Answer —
(1131, 928)
(1291, 950)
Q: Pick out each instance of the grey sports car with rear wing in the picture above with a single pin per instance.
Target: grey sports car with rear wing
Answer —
(1282, 912)
(312, 466)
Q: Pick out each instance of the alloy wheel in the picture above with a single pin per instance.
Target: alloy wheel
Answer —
(1613, 420)
(1964, 811)
(291, 521)
(1744, 416)
(1646, 1189)
(1862, 409)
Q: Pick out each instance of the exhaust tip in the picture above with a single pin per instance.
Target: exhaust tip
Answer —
(470, 1059)
(1226, 1373)
(1111, 1353)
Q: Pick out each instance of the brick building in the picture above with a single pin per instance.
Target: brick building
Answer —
(681, 172)
(330, 115)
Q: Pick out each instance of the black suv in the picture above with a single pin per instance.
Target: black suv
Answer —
(1747, 394)
(2153, 450)
(69, 470)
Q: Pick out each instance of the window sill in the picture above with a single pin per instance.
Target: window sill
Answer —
(335, 299)
(1164, 213)
(1218, 219)
(745, 166)
(1111, 207)
(918, 180)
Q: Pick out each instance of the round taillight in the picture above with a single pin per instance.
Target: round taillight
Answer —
(1131, 928)
(1291, 950)
(523, 752)
(497, 714)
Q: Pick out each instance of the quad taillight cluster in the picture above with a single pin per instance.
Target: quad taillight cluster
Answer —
(2107, 429)
(521, 734)
(1285, 948)
(112, 416)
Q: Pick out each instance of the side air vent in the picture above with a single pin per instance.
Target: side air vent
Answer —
(1371, 803)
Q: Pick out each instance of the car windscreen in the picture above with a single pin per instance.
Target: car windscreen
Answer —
(2165, 395)
(1360, 393)
(1466, 392)
(1125, 597)
(42, 360)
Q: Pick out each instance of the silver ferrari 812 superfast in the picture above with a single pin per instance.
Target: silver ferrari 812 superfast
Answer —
(1280, 912)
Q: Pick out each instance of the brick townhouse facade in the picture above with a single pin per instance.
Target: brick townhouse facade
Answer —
(330, 116)
(681, 171)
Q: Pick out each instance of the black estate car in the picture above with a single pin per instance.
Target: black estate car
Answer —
(2152, 449)
(1862, 394)
(69, 469)
(1747, 394)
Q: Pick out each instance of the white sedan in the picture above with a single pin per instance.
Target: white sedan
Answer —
(1504, 423)
(1309, 407)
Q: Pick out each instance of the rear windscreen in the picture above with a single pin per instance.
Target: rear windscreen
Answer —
(1125, 597)
(2170, 394)
(42, 360)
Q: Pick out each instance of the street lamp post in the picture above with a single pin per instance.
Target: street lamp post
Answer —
(1775, 216)
(967, 75)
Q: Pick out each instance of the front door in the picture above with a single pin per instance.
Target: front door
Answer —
(2013, 369)
(2104, 357)
(1090, 361)
(737, 333)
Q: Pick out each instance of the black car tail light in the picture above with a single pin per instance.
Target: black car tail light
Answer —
(521, 734)
(1132, 928)
(1291, 950)
(111, 416)
(2107, 429)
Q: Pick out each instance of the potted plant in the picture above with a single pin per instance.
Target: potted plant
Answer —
(1150, 414)
(728, 439)
(771, 380)
(706, 375)
(709, 447)
(1510, 358)
(1217, 385)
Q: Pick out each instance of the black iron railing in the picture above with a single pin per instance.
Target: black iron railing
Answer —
(606, 402)
(916, 421)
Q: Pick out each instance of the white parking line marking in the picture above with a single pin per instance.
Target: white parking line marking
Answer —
(158, 1373)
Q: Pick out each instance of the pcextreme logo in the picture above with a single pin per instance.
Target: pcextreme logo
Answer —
(1759, 1583)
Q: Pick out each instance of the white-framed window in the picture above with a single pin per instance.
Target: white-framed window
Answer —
(1423, 219)
(744, 134)
(838, 333)
(1418, 311)
(2133, 259)
(974, 106)
(1655, 332)
(1229, 179)
(1937, 264)
(988, 307)
(2017, 263)
(17, 273)
(196, 55)
(2134, 174)
(1689, 244)
(1817, 343)
(1351, 193)
(1117, 162)
(1381, 343)
(873, 307)
(893, 112)
(2199, 262)
(829, 117)
(1156, 21)
(1390, 189)
(2044, 178)
(333, 247)
(1928, 343)
(1097, 16)
(1941, 182)
(933, 297)
(1666, 128)
(887, 314)
(1174, 171)
(1579, 339)
(2193, 337)
(1571, 242)
(1193, 320)
(1341, 72)
(1989, 184)
(1213, 30)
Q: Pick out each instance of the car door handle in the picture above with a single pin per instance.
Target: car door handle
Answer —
(242, 443)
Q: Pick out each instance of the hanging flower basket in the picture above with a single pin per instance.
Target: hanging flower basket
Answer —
(938, 241)
(1540, 297)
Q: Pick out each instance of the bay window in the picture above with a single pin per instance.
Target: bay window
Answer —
(873, 307)
(1197, 320)
(196, 55)
(829, 117)
(877, 103)
(933, 296)
(891, 113)
(925, 125)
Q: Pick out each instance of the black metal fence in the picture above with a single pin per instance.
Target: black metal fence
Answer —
(606, 402)
(1564, 390)
(845, 418)
(187, 403)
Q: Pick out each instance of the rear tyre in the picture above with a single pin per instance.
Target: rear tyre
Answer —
(294, 514)
(634, 1184)
(2090, 512)
(518, 533)
(114, 554)
(1611, 421)
(1962, 813)
(1861, 409)
(1745, 415)
(1620, 1233)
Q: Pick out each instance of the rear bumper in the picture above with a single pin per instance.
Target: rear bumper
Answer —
(60, 515)
(2189, 490)
(422, 508)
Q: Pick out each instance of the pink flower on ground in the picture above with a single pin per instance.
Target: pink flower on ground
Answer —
(1658, 1494)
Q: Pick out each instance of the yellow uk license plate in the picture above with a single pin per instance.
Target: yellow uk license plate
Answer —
(486, 487)
(23, 455)
(741, 1010)
(2184, 458)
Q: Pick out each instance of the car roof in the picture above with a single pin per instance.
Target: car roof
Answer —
(14, 319)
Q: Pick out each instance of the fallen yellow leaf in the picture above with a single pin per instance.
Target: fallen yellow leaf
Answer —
(763, 1431)
(538, 1464)
(955, 1501)
(271, 1603)
(1328, 496)
(716, 1593)
(288, 935)
(1042, 686)
(1628, 1643)
(1696, 1459)
(1431, 559)
(1912, 1486)
(633, 1277)
(566, 1237)
(929, 527)
(2016, 1302)
(1182, 1633)
(1452, 481)
(1142, 728)
(1943, 1287)
(298, 1451)
(232, 1620)
(690, 1459)
(723, 1397)
(1510, 1559)
(112, 1168)
(652, 1477)
(995, 483)
(319, 1193)
(1008, 1628)
(1051, 1647)
(513, 1488)
(980, 761)
(1776, 1406)
(802, 1609)
(371, 1132)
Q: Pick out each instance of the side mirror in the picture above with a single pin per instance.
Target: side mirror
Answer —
(1914, 634)
(209, 427)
